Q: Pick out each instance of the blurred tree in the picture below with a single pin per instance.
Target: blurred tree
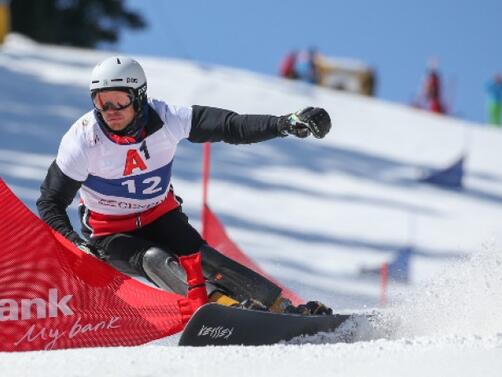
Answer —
(82, 23)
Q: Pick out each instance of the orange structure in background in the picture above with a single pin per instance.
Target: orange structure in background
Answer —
(4, 19)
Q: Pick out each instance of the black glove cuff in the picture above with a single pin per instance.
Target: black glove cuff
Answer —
(283, 126)
(89, 248)
(74, 237)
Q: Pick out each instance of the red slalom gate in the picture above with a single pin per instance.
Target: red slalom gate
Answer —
(54, 296)
(213, 231)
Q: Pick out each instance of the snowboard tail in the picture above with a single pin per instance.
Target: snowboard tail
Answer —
(214, 324)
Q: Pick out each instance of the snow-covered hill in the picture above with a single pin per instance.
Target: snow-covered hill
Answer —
(310, 212)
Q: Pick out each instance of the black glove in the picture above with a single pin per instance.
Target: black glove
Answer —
(313, 120)
(310, 308)
(88, 248)
(318, 308)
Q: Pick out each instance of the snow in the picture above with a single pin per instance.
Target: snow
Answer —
(310, 212)
(446, 356)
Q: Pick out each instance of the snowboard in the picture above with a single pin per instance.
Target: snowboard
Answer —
(214, 324)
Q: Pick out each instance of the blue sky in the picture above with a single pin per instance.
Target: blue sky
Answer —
(396, 37)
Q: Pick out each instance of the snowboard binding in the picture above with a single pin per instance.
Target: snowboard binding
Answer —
(281, 305)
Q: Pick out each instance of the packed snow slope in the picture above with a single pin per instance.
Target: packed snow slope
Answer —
(310, 212)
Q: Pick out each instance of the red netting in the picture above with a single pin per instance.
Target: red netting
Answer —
(52, 295)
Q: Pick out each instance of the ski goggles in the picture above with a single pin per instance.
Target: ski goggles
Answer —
(112, 100)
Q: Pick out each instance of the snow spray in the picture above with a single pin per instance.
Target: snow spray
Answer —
(465, 299)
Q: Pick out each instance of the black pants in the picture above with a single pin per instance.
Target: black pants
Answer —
(173, 233)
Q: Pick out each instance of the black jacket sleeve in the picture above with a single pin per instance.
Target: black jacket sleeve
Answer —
(57, 193)
(213, 124)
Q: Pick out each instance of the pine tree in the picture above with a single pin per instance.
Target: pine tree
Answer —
(82, 23)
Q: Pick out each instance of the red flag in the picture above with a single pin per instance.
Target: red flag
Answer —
(52, 295)
(215, 235)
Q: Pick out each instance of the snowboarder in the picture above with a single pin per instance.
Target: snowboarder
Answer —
(432, 89)
(119, 155)
(287, 66)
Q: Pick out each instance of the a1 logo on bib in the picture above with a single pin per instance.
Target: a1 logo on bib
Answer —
(133, 161)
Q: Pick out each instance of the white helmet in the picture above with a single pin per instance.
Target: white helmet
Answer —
(120, 73)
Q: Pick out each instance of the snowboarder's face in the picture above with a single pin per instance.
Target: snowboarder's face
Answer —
(115, 107)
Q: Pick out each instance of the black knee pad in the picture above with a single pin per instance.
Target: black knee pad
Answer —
(236, 280)
(163, 269)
